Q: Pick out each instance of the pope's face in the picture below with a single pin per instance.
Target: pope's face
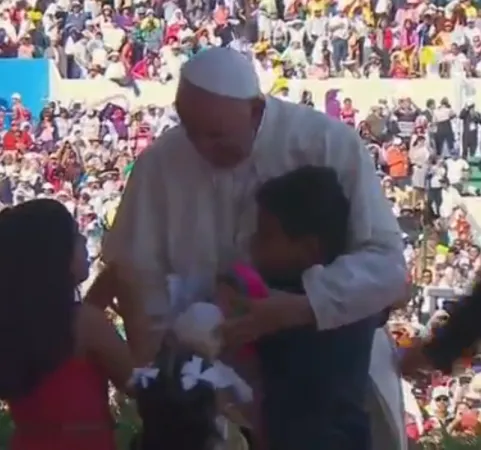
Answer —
(221, 129)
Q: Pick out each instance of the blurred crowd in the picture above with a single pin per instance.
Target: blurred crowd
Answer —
(425, 156)
(151, 39)
(79, 156)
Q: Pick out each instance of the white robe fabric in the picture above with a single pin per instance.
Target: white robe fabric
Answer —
(179, 215)
(387, 404)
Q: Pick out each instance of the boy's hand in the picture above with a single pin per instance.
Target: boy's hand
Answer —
(280, 311)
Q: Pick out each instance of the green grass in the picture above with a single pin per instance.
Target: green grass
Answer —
(127, 424)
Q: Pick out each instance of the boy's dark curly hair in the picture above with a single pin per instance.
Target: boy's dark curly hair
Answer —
(309, 201)
(174, 418)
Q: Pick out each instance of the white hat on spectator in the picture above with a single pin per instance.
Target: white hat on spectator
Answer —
(48, 187)
(224, 72)
(397, 141)
(186, 34)
(440, 391)
(16, 96)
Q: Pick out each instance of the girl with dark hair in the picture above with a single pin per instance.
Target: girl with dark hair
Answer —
(57, 355)
(184, 401)
(174, 417)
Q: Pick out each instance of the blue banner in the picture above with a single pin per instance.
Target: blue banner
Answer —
(27, 77)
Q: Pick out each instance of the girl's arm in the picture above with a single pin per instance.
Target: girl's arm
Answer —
(100, 341)
(102, 291)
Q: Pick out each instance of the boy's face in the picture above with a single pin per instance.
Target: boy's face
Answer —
(277, 255)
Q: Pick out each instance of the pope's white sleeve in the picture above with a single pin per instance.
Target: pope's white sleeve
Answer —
(372, 276)
(136, 242)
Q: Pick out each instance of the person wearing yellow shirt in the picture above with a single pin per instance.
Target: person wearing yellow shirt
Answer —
(362, 6)
(469, 10)
(316, 5)
(150, 22)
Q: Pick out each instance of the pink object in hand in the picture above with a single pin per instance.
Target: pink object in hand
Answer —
(254, 284)
(255, 289)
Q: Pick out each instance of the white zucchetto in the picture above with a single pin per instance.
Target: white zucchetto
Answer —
(223, 71)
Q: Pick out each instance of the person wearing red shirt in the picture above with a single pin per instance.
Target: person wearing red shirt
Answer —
(16, 139)
(348, 113)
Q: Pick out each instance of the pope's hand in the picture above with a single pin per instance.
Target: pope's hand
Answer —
(264, 317)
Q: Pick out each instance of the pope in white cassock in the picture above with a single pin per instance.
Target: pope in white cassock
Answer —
(189, 209)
